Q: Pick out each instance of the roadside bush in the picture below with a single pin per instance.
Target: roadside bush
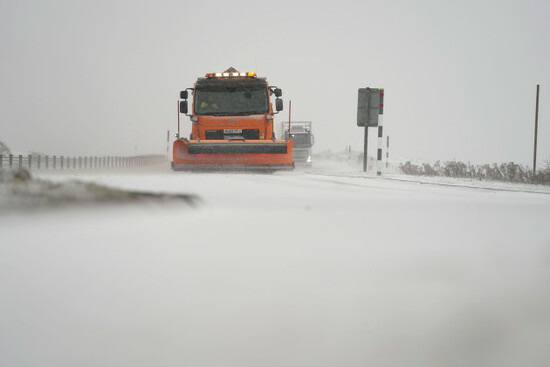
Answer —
(508, 172)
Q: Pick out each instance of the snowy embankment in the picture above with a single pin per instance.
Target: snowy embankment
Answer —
(307, 268)
(20, 192)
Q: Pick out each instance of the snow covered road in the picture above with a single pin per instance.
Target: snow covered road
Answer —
(289, 269)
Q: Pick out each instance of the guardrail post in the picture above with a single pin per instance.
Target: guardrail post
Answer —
(79, 162)
(20, 160)
(47, 162)
(85, 162)
(61, 162)
(1, 160)
(38, 161)
(54, 158)
(30, 161)
(10, 160)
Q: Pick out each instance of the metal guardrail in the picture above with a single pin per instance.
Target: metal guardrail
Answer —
(46, 162)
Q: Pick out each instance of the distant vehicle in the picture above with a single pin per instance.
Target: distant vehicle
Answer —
(301, 134)
(232, 125)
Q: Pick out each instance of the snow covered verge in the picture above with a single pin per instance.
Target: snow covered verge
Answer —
(473, 183)
(20, 191)
(354, 170)
(451, 181)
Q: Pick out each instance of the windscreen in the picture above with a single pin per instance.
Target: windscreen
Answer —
(231, 100)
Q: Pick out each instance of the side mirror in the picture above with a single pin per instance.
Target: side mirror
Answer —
(279, 104)
(183, 106)
(278, 92)
(183, 94)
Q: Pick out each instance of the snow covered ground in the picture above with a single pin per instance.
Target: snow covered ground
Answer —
(326, 267)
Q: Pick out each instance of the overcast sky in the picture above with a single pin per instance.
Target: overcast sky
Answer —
(103, 77)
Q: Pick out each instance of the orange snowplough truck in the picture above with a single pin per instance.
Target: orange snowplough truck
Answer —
(232, 125)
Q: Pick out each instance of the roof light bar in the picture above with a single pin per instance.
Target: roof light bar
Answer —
(250, 74)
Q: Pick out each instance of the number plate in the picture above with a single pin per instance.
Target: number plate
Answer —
(232, 131)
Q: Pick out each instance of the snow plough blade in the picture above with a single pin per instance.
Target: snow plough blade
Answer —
(195, 155)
